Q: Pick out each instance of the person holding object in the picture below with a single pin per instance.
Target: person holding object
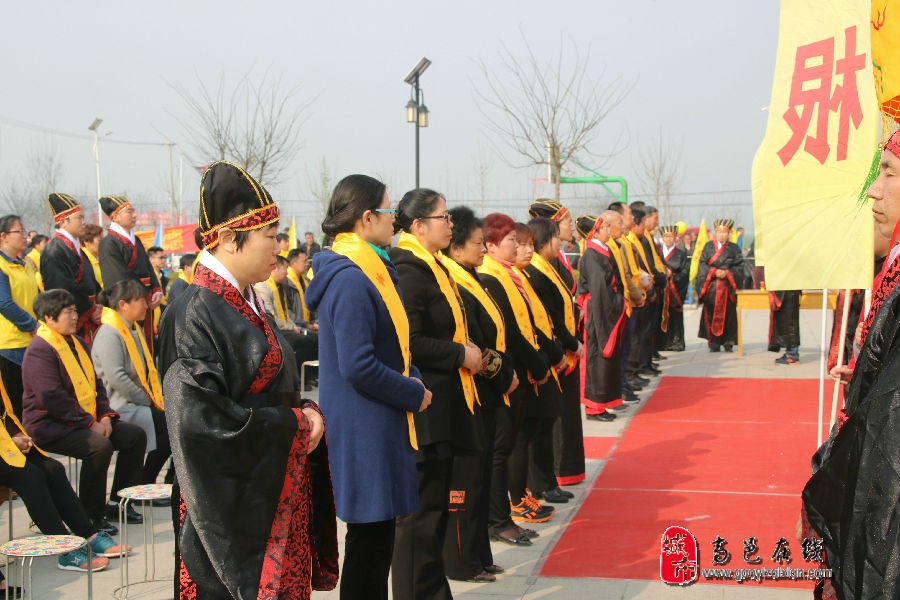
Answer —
(252, 502)
(851, 499)
(368, 388)
(719, 262)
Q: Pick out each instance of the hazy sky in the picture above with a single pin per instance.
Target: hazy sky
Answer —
(702, 74)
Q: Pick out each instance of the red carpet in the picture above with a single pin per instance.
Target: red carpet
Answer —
(722, 457)
(598, 447)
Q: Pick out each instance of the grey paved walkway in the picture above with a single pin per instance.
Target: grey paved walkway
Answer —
(520, 581)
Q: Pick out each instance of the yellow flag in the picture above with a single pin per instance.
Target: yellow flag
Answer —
(811, 229)
(885, 22)
(702, 238)
(292, 235)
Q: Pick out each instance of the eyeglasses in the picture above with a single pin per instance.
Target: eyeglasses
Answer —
(389, 211)
(446, 217)
(22, 231)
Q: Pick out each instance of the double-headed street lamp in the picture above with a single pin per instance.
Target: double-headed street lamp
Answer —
(416, 111)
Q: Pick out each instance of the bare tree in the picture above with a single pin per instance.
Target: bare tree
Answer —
(660, 175)
(321, 185)
(255, 124)
(27, 195)
(548, 111)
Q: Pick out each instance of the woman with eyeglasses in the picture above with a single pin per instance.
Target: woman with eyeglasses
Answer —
(368, 388)
(440, 347)
(18, 289)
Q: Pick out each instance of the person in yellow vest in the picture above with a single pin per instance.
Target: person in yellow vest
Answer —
(368, 388)
(298, 265)
(41, 483)
(90, 244)
(123, 360)
(18, 289)
(66, 410)
(36, 245)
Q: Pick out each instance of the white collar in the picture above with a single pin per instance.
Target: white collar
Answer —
(666, 250)
(70, 237)
(122, 231)
(215, 265)
(895, 251)
(718, 245)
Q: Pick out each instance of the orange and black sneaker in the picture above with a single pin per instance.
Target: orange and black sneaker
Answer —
(530, 510)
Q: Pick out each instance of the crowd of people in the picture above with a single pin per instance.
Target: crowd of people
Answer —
(455, 353)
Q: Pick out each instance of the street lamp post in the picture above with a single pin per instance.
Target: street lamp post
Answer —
(95, 126)
(416, 111)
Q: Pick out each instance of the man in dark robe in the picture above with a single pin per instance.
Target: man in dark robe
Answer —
(784, 325)
(253, 507)
(660, 282)
(64, 264)
(602, 298)
(720, 262)
(122, 256)
(852, 500)
(678, 266)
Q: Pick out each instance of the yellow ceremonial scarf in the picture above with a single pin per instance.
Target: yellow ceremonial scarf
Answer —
(493, 268)
(184, 278)
(462, 277)
(280, 310)
(451, 295)
(640, 248)
(149, 381)
(82, 375)
(541, 318)
(95, 263)
(540, 263)
(10, 452)
(657, 261)
(194, 266)
(35, 257)
(358, 250)
(632, 263)
(617, 258)
(295, 279)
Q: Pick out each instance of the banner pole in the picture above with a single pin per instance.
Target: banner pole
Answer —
(845, 315)
(822, 367)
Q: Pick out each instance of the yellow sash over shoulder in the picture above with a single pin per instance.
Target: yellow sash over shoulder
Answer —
(541, 264)
(280, 310)
(358, 250)
(148, 376)
(451, 294)
(541, 318)
(80, 371)
(617, 258)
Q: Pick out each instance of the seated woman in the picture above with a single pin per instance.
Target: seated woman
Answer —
(123, 361)
(51, 503)
(66, 410)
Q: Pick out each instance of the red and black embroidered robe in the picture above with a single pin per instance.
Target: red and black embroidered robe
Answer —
(66, 267)
(256, 519)
(718, 322)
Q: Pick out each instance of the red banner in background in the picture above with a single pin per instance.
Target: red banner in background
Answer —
(176, 240)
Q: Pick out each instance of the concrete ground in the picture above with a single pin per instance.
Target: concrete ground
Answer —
(520, 580)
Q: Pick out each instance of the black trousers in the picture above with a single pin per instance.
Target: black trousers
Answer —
(418, 563)
(531, 461)
(95, 452)
(508, 421)
(368, 548)
(48, 496)
(467, 545)
(157, 457)
(12, 381)
(568, 434)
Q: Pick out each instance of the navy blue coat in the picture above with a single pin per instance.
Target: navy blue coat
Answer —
(363, 393)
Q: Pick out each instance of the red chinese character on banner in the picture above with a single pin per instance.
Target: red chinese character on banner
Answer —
(678, 556)
(811, 92)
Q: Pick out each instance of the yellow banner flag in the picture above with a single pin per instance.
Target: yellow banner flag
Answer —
(702, 238)
(292, 235)
(812, 231)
